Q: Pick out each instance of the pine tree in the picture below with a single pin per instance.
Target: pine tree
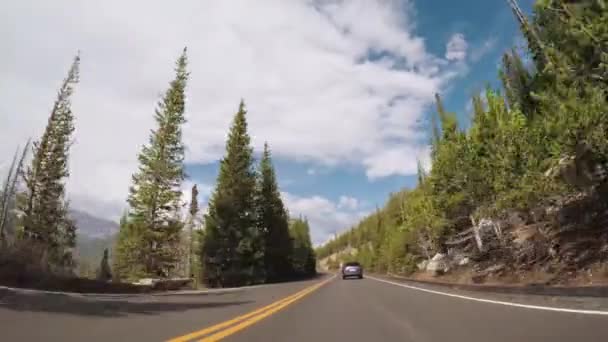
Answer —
(232, 253)
(421, 173)
(128, 255)
(45, 210)
(536, 45)
(273, 221)
(517, 82)
(5, 197)
(66, 240)
(304, 260)
(449, 124)
(8, 195)
(104, 273)
(193, 211)
(154, 197)
(435, 135)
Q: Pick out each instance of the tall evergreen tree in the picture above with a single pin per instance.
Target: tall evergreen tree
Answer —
(128, 255)
(8, 195)
(155, 197)
(273, 221)
(304, 260)
(232, 253)
(530, 31)
(449, 124)
(104, 273)
(193, 211)
(517, 82)
(421, 173)
(45, 217)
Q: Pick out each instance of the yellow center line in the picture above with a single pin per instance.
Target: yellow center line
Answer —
(237, 319)
(252, 320)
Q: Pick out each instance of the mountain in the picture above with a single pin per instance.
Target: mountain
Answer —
(92, 226)
(90, 250)
(94, 234)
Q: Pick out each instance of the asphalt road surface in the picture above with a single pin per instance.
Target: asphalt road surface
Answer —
(324, 309)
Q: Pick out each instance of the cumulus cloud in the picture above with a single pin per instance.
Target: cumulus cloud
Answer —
(397, 160)
(456, 48)
(483, 49)
(347, 202)
(303, 67)
(324, 216)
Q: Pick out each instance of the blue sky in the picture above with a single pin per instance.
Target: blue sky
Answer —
(342, 90)
(489, 29)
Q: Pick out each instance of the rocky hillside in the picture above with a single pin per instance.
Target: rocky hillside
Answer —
(563, 241)
(521, 193)
(332, 261)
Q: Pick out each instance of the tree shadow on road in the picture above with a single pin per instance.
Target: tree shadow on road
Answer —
(115, 307)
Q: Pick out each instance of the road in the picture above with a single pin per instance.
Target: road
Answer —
(325, 309)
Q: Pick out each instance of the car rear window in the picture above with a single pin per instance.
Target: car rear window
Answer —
(352, 264)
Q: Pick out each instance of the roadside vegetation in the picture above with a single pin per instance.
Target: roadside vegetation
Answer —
(524, 188)
(245, 237)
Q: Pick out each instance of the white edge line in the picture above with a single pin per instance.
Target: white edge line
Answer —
(526, 306)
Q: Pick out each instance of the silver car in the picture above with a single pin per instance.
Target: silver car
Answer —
(352, 269)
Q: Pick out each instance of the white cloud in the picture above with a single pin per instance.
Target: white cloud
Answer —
(456, 48)
(324, 216)
(300, 65)
(347, 202)
(311, 172)
(478, 52)
(397, 160)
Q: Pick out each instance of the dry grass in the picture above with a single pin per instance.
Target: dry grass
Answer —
(596, 274)
(24, 265)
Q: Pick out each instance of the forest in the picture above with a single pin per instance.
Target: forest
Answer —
(524, 186)
(534, 159)
(245, 237)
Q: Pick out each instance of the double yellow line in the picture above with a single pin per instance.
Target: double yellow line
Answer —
(241, 322)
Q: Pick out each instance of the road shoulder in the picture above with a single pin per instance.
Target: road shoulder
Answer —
(569, 303)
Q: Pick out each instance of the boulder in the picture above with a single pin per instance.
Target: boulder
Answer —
(146, 281)
(494, 269)
(173, 284)
(437, 265)
(166, 284)
(422, 265)
(464, 261)
(438, 257)
(457, 258)
(484, 230)
(564, 168)
(583, 170)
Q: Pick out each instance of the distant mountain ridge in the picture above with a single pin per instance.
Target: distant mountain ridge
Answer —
(93, 227)
(94, 234)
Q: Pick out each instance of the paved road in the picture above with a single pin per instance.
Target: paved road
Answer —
(337, 310)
